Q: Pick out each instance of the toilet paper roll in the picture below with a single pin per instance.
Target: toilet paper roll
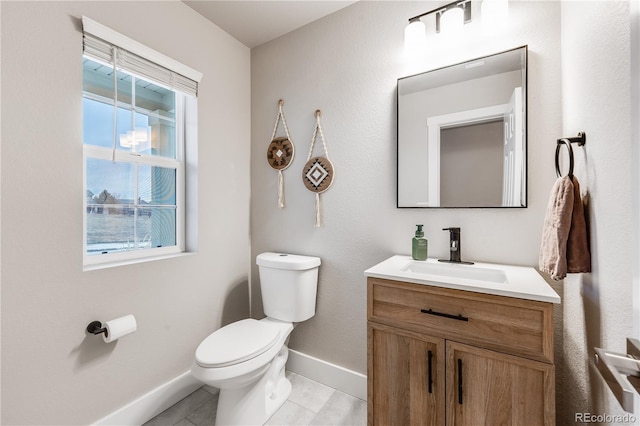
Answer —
(119, 327)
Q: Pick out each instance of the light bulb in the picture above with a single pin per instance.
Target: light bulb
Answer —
(452, 21)
(415, 38)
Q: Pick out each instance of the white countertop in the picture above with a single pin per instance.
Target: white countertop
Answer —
(522, 282)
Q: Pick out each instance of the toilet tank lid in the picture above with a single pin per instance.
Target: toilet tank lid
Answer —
(292, 262)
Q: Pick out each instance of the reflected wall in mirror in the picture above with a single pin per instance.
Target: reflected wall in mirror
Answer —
(462, 134)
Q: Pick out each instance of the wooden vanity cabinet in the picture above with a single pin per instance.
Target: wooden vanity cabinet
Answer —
(408, 377)
(439, 356)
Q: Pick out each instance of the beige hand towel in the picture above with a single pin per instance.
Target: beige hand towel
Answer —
(578, 256)
(555, 232)
(565, 247)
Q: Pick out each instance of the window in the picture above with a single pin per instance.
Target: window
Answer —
(133, 150)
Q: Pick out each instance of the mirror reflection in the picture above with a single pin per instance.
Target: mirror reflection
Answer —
(462, 134)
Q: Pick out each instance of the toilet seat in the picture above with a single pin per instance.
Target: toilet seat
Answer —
(236, 343)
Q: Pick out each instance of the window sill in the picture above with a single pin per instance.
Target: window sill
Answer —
(115, 264)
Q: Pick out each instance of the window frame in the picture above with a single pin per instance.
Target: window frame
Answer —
(122, 156)
(107, 46)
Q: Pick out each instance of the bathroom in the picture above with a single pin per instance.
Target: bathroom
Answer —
(581, 74)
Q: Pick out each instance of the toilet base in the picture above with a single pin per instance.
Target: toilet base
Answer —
(256, 402)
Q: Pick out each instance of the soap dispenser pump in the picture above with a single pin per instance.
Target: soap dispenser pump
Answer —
(419, 245)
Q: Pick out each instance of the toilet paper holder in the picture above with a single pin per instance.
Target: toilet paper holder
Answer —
(114, 329)
(95, 327)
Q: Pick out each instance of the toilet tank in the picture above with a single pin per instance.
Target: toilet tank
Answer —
(289, 283)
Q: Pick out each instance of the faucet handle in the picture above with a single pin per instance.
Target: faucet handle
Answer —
(456, 229)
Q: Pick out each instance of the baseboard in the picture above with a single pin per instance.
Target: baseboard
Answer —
(164, 396)
(324, 372)
(153, 403)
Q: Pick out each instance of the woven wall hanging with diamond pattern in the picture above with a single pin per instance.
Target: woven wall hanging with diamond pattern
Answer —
(280, 152)
(318, 172)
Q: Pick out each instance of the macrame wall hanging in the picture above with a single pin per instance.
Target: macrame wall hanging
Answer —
(317, 173)
(280, 152)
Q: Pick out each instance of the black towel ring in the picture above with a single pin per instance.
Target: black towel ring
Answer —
(568, 145)
(581, 139)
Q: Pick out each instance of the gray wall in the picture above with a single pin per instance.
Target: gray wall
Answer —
(52, 372)
(471, 165)
(347, 65)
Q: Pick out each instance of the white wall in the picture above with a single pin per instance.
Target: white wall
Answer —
(347, 64)
(52, 372)
(596, 100)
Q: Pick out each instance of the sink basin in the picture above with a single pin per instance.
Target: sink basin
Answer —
(467, 272)
(522, 282)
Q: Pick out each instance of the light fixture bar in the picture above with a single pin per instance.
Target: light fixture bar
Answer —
(465, 5)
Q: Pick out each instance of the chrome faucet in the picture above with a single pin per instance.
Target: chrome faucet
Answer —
(454, 247)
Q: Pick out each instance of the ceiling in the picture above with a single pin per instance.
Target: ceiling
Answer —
(254, 22)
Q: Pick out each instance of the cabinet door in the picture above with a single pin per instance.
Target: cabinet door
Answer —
(405, 378)
(491, 388)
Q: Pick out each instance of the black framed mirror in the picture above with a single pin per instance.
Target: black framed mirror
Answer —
(462, 134)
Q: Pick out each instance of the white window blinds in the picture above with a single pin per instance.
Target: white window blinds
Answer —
(99, 43)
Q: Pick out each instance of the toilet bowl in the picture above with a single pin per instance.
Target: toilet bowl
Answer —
(246, 359)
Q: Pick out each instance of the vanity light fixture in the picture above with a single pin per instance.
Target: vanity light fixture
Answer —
(449, 19)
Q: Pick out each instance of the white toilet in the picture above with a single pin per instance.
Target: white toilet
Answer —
(246, 359)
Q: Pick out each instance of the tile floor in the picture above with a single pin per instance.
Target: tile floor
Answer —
(310, 403)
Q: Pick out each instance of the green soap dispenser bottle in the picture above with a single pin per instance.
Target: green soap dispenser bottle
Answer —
(419, 245)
